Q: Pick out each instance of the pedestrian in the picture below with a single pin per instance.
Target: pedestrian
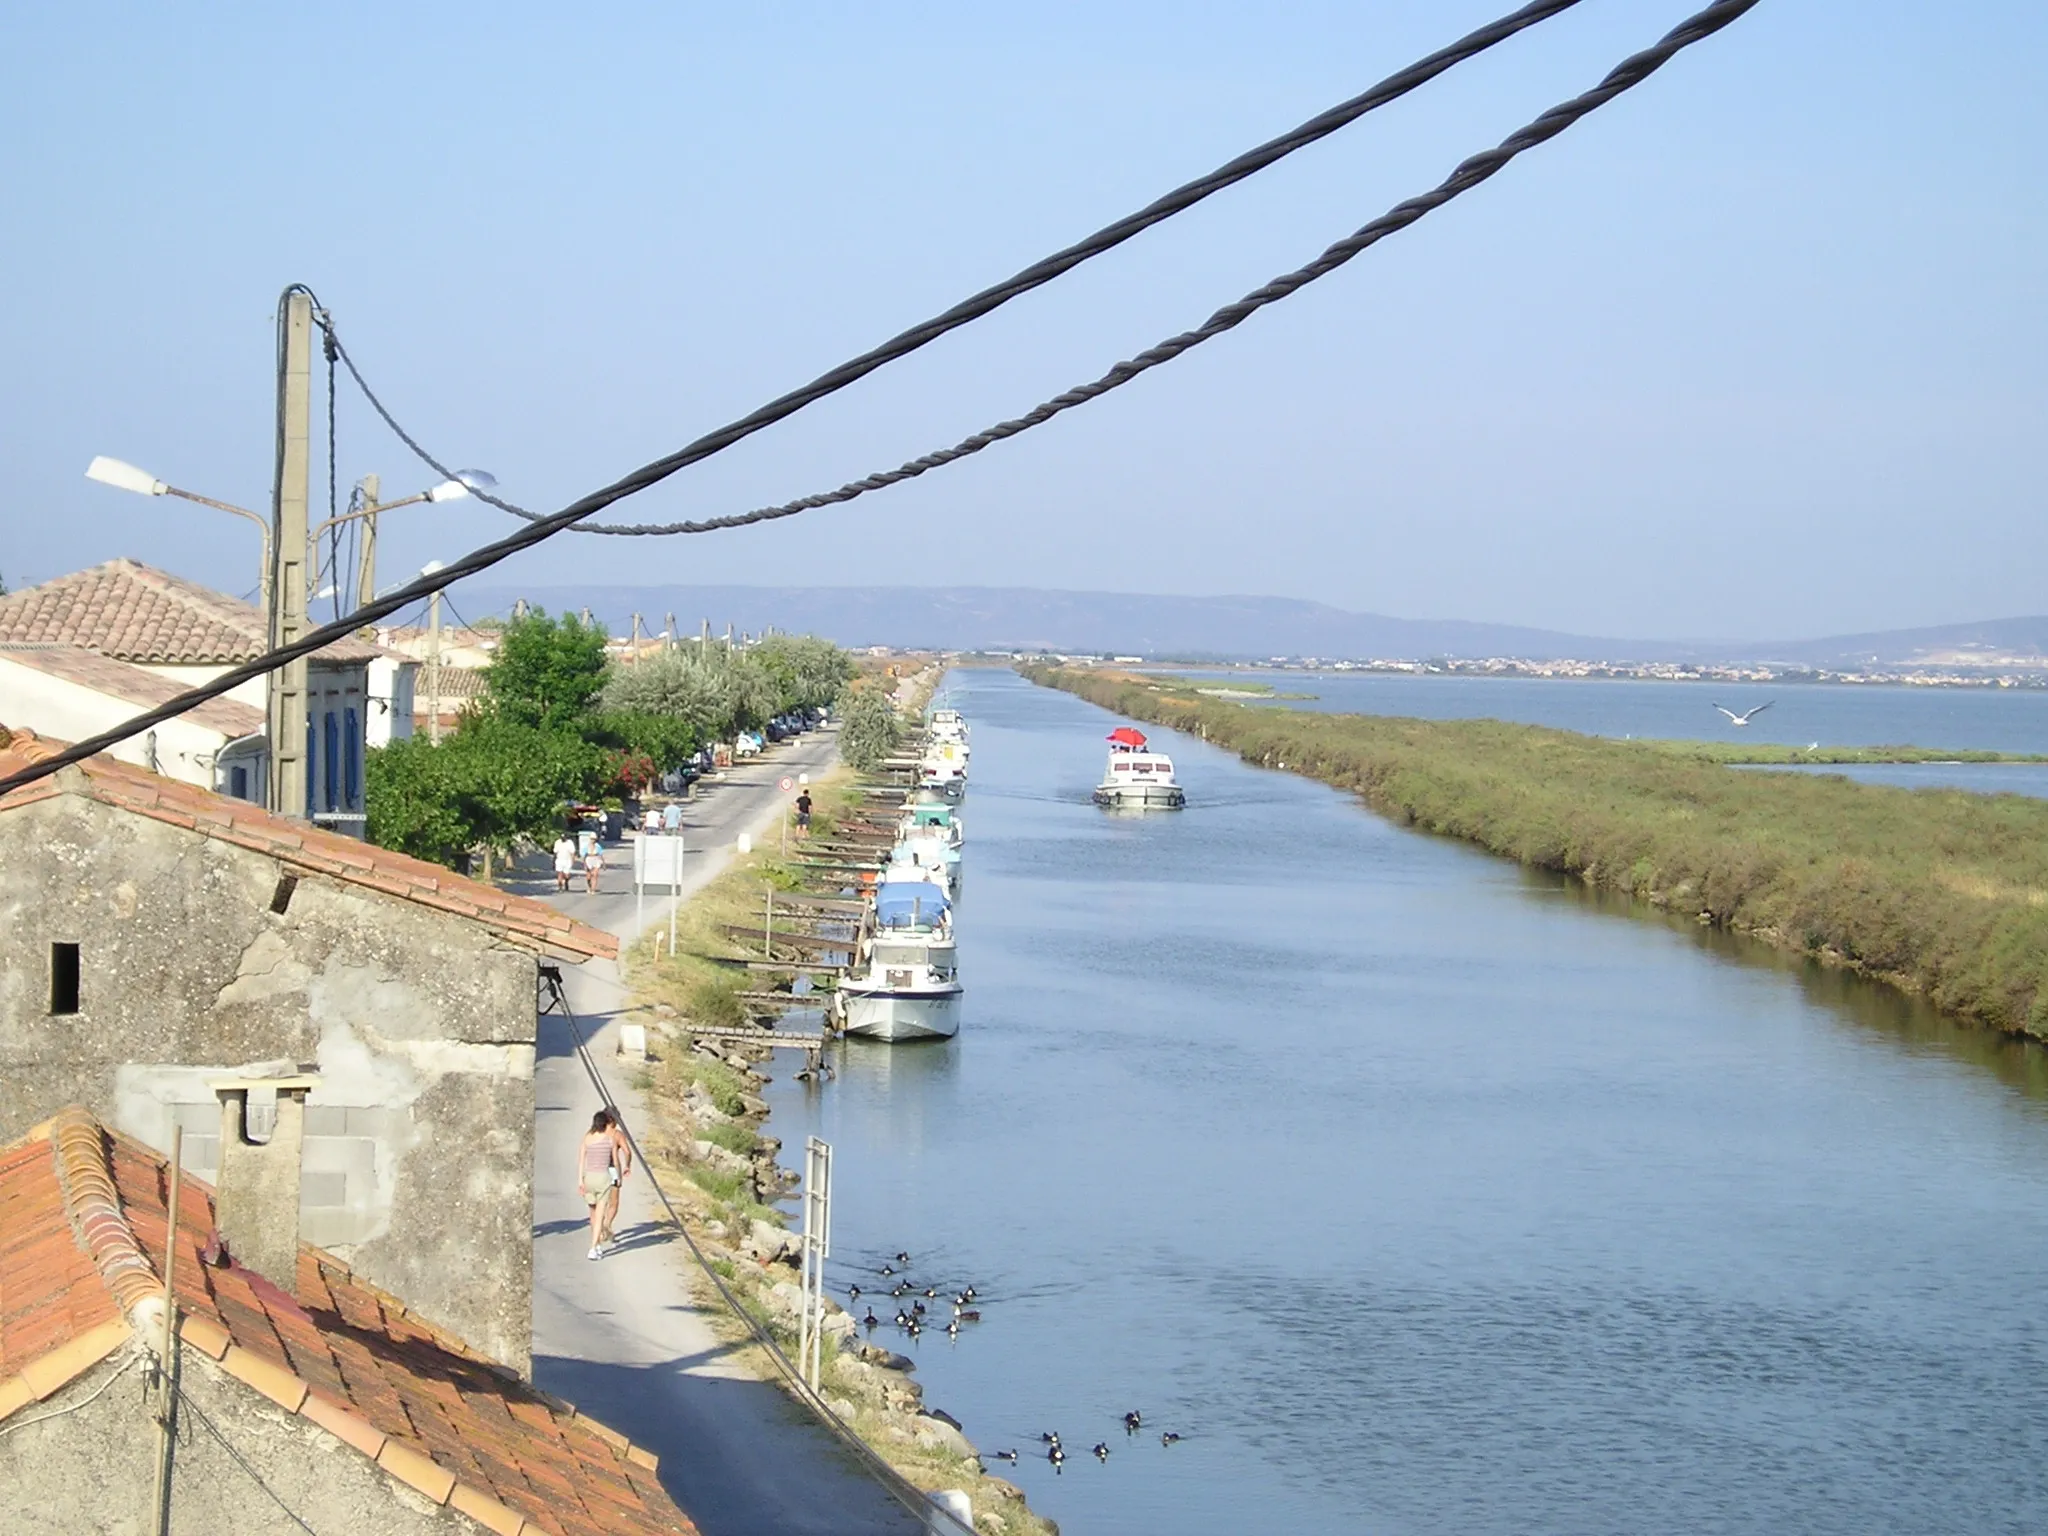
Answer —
(603, 1160)
(565, 860)
(803, 813)
(672, 817)
(593, 866)
(650, 821)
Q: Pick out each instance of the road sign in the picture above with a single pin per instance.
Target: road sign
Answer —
(787, 784)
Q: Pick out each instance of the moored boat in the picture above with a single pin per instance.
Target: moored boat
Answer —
(907, 983)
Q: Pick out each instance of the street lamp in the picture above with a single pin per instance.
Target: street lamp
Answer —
(465, 481)
(126, 477)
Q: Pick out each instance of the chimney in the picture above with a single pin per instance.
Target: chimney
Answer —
(257, 1206)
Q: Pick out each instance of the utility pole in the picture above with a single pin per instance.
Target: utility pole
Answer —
(366, 569)
(434, 668)
(290, 773)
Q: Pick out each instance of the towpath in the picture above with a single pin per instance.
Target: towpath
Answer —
(625, 1338)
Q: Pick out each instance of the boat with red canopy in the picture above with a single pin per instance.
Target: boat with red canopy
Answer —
(1137, 778)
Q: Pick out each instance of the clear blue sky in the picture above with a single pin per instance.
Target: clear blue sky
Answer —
(1762, 350)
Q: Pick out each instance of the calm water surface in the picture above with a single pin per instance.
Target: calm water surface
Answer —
(1424, 1196)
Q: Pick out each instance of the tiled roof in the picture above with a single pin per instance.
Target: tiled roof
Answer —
(131, 685)
(132, 612)
(518, 919)
(82, 1220)
(458, 685)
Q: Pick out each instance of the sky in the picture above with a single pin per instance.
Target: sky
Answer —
(1760, 350)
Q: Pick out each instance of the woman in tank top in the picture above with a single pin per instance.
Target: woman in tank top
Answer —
(602, 1162)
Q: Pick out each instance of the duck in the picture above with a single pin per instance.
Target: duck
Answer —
(1050, 1437)
(953, 1329)
(902, 1318)
(966, 1315)
(962, 1299)
(917, 1309)
(969, 1293)
(899, 1289)
(1169, 1438)
(1057, 1457)
(1133, 1422)
(1101, 1451)
(912, 1328)
(853, 1293)
(1009, 1456)
(902, 1258)
(887, 1270)
(871, 1321)
(931, 1293)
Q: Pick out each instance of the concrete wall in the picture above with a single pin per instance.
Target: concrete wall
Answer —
(419, 1138)
(92, 1472)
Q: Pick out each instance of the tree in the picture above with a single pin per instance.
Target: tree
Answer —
(869, 727)
(490, 786)
(547, 672)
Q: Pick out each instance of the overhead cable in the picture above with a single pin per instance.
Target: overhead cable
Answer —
(1471, 173)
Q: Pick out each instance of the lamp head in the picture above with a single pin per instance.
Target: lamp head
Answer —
(465, 481)
(124, 477)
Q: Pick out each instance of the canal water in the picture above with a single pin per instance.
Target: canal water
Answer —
(1421, 1195)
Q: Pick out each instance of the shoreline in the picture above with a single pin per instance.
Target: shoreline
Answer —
(1943, 896)
(709, 1141)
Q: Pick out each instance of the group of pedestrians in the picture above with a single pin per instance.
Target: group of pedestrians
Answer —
(603, 1160)
(581, 849)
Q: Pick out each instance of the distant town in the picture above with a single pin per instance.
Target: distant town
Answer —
(2033, 673)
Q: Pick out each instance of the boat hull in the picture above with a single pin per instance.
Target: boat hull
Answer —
(895, 1016)
(1140, 797)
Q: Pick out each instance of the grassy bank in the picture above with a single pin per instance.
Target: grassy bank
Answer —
(707, 1143)
(1940, 892)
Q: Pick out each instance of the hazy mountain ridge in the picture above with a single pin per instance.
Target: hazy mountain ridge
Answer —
(1225, 628)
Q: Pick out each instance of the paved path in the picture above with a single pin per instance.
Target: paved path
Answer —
(625, 1338)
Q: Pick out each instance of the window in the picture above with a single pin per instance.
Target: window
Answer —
(238, 782)
(331, 766)
(63, 978)
(352, 761)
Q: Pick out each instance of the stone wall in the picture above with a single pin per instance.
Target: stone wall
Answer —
(93, 1469)
(418, 1161)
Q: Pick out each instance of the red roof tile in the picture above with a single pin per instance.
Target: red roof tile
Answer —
(341, 1354)
(132, 612)
(518, 919)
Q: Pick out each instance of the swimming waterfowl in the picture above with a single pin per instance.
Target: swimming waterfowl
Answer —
(1006, 1455)
(953, 1329)
(917, 1309)
(966, 1315)
(902, 1318)
(853, 1293)
(1133, 1422)
(902, 1258)
(1057, 1457)
(1101, 1451)
(888, 1270)
(1051, 1437)
(1168, 1438)
(871, 1321)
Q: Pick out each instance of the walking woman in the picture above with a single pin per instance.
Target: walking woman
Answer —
(602, 1163)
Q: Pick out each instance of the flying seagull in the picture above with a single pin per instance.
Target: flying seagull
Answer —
(1746, 716)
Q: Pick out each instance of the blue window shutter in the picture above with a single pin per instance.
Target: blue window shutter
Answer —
(332, 766)
(310, 758)
(352, 760)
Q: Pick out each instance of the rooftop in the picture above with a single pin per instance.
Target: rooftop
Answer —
(83, 1217)
(133, 612)
(301, 845)
(130, 684)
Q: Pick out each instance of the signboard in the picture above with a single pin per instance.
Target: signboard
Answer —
(658, 860)
(787, 784)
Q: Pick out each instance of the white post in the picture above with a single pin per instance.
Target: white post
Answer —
(817, 1247)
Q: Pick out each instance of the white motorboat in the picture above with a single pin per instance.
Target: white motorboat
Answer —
(907, 985)
(1137, 778)
(943, 768)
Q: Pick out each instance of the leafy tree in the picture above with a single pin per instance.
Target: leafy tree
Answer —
(490, 786)
(869, 727)
(546, 671)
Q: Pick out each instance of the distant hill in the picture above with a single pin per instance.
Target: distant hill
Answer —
(1220, 628)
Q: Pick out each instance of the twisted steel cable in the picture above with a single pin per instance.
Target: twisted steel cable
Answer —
(1625, 76)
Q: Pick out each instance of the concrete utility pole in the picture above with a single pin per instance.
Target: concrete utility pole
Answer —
(366, 568)
(434, 669)
(286, 716)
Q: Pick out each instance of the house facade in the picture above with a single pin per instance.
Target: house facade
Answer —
(71, 693)
(156, 938)
(184, 634)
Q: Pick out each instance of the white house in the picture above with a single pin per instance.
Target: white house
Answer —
(181, 633)
(70, 693)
